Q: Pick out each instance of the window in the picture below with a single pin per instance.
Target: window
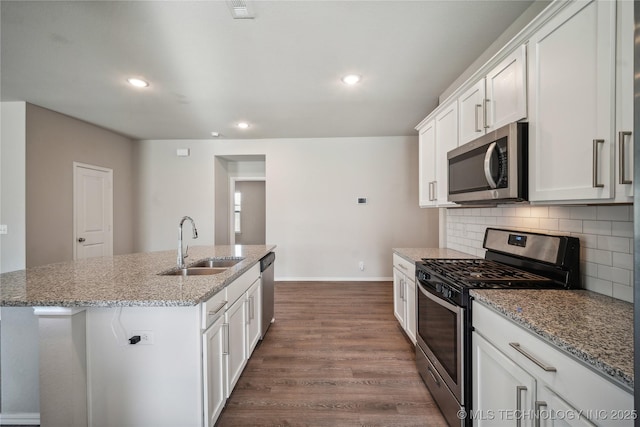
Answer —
(237, 204)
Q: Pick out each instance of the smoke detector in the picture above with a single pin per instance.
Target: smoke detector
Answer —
(241, 9)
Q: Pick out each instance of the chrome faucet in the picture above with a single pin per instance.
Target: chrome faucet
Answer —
(181, 255)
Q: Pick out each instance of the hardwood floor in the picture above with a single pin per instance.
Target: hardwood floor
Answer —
(335, 356)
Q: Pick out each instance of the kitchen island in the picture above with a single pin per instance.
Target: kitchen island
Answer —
(122, 344)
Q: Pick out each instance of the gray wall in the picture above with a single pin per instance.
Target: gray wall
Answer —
(54, 141)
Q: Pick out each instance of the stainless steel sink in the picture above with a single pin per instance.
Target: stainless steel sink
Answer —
(216, 262)
(193, 271)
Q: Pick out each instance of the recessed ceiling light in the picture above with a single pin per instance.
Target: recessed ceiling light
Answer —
(243, 125)
(137, 82)
(351, 79)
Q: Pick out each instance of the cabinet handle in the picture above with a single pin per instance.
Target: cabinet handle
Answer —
(435, 190)
(539, 404)
(484, 113)
(621, 157)
(431, 191)
(225, 338)
(476, 118)
(251, 308)
(519, 390)
(402, 289)
(402, 267)
(595, 163)
(531, 357)
(220, 307)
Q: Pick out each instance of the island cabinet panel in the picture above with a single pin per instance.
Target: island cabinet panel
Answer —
(159, 384)
(404, 295)
(513, 370)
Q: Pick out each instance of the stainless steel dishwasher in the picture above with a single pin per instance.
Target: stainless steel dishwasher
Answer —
(266, 272)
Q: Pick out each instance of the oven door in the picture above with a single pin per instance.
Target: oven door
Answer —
(440, 335)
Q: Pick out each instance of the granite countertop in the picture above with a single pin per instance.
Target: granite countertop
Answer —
(416, 254)
(124, 280)
(594, 328)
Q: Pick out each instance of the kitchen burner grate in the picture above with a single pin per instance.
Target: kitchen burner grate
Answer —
(480, 270)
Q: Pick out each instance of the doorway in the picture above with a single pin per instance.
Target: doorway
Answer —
(92, 211)
(249, 210)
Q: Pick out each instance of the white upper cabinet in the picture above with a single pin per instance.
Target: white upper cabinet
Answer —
(470, 105)
(571, 104)
(497, 99)
(446, 140)
(436, 137)
(624, 103)
(506, 97)
(426, 164)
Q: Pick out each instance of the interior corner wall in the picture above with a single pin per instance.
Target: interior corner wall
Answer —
(53, 142)
(221, 178)
(12, 186)
(312, 187)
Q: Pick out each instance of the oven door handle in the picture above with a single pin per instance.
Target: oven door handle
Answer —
(437, 300)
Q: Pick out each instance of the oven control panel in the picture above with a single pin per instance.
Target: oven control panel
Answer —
(435, 285)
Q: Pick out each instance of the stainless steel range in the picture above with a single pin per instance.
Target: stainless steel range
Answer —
(513, 260)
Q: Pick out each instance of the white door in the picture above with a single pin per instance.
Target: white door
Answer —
(93, 211)
(446, 140)
(471, 115)
(506, 88)
(214, 371)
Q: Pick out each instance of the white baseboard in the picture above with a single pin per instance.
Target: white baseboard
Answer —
(20, 419)
(334, 279)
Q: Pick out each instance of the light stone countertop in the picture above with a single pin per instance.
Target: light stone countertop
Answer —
(124, 280)
(594, 328)
(416, 254)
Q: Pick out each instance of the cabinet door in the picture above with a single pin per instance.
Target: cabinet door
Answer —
(237, 342)
(571, 94)
(624, 103)
(501, 389)
(427, 164)
(471, 109)
(214, 371)
(446, 140)
(254, 315)
(506, 99)
(553, 411)
(410, 313)
(398, 296)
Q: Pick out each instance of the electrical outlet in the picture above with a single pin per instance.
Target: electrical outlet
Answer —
(361, 265)
(146, 337)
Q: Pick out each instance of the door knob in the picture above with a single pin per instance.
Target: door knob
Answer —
(81, 239)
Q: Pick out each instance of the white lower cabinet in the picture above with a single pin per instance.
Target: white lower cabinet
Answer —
(237, 342)
(214, 371)
(404, 295)
(519, 379)
(254, 316)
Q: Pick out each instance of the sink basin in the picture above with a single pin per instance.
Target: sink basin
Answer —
(193, 271)
(217, 262)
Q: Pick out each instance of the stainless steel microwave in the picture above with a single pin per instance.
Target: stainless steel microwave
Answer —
(492, 168)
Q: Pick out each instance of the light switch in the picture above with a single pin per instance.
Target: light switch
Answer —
(3, 229)
(182, 152)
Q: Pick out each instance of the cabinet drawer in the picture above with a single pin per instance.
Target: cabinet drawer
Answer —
(578, 384)
(238, 287)
(213, 308)
(408, 268)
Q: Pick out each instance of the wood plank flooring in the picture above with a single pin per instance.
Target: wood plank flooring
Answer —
(335, 356)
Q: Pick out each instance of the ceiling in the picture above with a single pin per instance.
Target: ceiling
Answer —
(279, 71)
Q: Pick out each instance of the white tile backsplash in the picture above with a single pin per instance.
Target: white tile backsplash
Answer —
(605, 233)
